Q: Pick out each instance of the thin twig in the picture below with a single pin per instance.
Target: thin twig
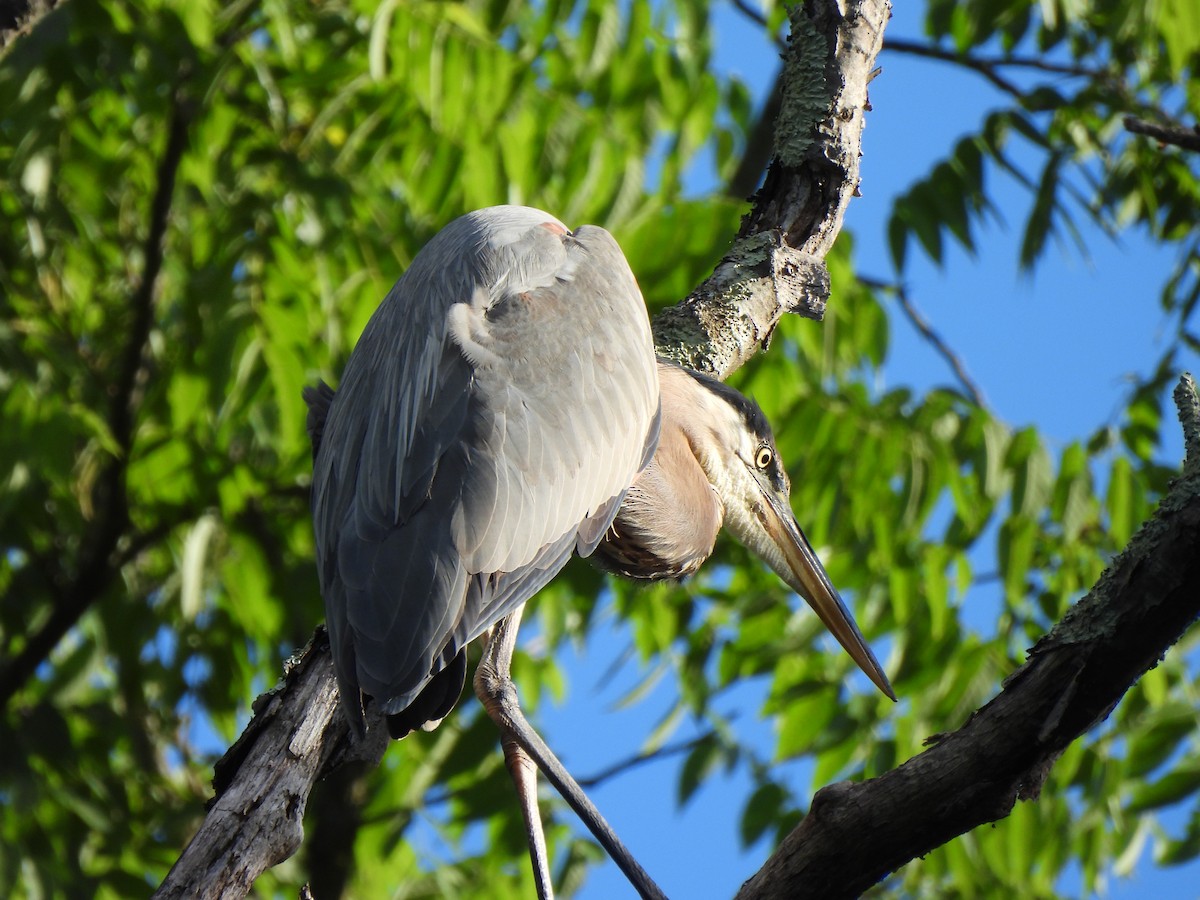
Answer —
(640, 759)
(985, 68)
(935, 340)
(437, 798)
(750, 12)
(919, 48)
(989, 66)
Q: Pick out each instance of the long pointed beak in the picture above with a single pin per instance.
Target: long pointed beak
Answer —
(797, 564)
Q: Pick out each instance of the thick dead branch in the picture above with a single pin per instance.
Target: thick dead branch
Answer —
(255, 821)
(856, 833)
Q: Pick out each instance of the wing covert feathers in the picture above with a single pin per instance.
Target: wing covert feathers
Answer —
(488, 423)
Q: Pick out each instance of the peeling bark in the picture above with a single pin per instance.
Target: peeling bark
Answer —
(297, 736)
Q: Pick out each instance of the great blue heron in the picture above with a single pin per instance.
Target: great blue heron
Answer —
(493, 416)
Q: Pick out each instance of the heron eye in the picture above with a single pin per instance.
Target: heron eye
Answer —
(763, 457)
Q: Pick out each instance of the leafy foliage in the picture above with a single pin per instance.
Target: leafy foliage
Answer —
(155, 462)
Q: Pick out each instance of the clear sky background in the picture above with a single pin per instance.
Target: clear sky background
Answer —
(1053, 349)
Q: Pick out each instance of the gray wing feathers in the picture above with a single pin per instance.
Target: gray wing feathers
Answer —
(576, 371)
(491, 417)
(592, 529)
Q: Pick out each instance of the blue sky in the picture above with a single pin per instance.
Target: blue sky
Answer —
(1052, 348)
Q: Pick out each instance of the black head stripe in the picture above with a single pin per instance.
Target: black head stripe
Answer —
(746, 408)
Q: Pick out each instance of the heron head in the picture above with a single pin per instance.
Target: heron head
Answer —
(736, 448)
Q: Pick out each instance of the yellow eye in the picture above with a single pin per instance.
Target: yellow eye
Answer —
(763, 457)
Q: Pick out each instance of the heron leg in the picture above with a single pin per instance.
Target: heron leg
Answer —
(524, 776)
(494, 686)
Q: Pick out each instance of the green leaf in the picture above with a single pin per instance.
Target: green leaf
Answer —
(1174, 852)
(1157, 738)
(700, 762)
(1180, 783)
(897, 236)
(1179, 25)
(762, 810)
(1041, 218)
(802, 722)
(1018, 537)
(246, 576)
(193, 566)
(1074, 503)
(1032, 474)
(1119, 501)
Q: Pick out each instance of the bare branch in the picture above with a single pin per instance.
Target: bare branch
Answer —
(1178, 135)
(1187, 401)
(666, 751)
(262, 783)
(989, 66)
(935, 340)
(985, 68)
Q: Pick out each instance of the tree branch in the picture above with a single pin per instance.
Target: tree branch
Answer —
(919, 322)
(1074, 677)
(989, 66)
(95, 569)
(1187, 138)
(297, 735)
(776, 264)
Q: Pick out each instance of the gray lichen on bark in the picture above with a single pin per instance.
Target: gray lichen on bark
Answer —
(807, 98)
(725, 321)
(1187, 401)
(1095, 616)
(776, 264)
